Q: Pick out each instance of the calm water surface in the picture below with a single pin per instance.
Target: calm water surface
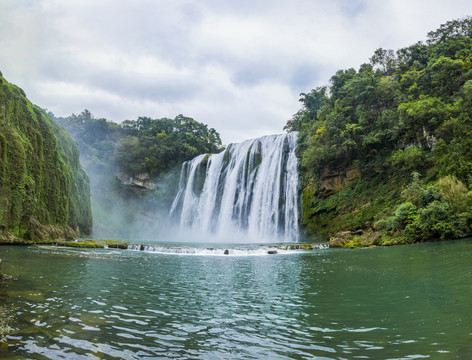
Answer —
(380, 303)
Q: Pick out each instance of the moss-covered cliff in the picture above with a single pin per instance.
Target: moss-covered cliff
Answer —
(44, 192)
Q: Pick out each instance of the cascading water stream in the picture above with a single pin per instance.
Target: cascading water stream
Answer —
(249, 187)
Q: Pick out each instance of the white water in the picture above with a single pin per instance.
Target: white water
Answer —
(239, 250)
(250, 188)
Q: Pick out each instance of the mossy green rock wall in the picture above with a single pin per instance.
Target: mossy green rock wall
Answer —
(40, 174)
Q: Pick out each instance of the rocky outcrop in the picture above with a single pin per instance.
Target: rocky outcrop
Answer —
(38, 233)
(343, 237)
(142, 181)
(333, 181)
(357, 238)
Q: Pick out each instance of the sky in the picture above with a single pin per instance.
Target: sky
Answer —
(238, 66)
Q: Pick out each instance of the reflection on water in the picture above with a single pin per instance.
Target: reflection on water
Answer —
(386, 303)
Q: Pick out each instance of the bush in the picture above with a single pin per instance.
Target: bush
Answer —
(405, 214)
(410, 159)
(454, 192)
(428, 195)
(411, 193)
(433, 222)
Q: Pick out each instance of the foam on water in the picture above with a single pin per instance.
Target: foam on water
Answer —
(221, 251)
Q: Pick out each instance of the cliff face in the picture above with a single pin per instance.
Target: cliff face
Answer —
(41, 180)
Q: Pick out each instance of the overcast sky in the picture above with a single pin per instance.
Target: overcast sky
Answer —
(238, 66)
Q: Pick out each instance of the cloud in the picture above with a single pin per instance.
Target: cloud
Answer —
(237, 66)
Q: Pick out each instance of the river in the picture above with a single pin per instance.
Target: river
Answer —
(403, 302)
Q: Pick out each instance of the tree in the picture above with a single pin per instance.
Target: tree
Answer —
(454, 192)
(312, 103)
(385, 61)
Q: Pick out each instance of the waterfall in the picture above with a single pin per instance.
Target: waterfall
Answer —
(250, 187)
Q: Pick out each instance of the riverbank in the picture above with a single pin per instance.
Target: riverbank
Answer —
(344, 239)
(369, 238)
(364, 238)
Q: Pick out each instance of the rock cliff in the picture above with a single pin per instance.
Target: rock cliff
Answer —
(44, 192)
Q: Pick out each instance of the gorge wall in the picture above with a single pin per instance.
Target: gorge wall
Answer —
(44, 192)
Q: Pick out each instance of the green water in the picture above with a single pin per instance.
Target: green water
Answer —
(379, 303)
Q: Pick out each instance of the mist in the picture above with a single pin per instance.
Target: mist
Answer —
(127, 211)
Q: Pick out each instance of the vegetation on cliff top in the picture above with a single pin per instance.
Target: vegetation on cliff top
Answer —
(402, 124)
(140, 146)
(143, 154)
(44, 192)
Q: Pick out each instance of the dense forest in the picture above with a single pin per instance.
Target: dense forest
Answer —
(44, 192)
(140, 146)
(134, 167)
(387, 149)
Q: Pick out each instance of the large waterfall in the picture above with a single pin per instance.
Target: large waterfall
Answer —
(249, 189)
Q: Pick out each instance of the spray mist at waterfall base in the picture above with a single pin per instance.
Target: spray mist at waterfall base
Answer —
(230, 235)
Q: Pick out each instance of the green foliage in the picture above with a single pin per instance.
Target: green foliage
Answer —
(408, 111)
(40, 173)
(433, 222)
(405, 214)
(312, 102)
(145, 145)
(431, 212)
(454, 192)
(408, 159)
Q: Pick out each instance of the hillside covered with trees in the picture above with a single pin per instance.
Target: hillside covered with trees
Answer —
(44, 192)
(134, 167)
(144, 145)
(387, 149)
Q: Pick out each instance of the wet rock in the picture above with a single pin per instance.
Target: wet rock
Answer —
(272, 252)
(226, 252)
(122, 246)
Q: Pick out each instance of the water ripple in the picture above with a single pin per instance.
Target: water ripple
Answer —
(272, 307)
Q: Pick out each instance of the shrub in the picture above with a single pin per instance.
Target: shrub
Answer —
(433, 222)
(454, 192)
(412, 191)
(428, 195)
(405, 214)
